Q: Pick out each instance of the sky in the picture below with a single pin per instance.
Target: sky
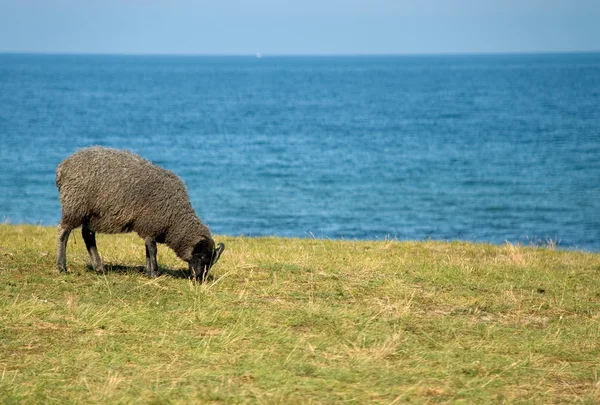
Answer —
(299, 27)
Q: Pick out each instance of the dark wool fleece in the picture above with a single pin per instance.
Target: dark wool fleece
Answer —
(114, 191)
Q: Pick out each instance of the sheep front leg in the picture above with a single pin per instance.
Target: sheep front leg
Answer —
(61, 248)
(89, 237)
(151, 263)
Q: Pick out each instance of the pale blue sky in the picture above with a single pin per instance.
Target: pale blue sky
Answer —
(298, 27)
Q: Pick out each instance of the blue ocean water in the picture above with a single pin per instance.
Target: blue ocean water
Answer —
(481, 148)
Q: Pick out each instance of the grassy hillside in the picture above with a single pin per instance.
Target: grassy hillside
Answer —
(299, 321)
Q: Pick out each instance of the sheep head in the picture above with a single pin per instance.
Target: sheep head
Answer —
(204, 256)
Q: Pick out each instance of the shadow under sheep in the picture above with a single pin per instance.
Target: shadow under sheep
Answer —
(123, 269)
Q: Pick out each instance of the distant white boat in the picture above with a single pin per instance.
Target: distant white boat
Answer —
(259, 55)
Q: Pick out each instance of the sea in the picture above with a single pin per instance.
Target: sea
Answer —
(484, 148)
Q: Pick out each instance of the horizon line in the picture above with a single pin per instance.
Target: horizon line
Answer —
(260, 55)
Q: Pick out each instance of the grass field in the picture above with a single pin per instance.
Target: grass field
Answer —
(299, 321)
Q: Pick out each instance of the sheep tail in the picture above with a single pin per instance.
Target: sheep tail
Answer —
(58, 177)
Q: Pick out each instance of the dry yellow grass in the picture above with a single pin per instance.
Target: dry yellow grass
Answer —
(299, 321)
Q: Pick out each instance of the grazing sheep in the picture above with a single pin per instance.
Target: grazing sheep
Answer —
(112, 191)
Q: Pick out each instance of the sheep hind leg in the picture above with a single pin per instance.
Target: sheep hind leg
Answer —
(151, 262)
(89, 237)
(61, 248)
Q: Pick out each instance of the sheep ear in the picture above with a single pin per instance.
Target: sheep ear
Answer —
(217, 253)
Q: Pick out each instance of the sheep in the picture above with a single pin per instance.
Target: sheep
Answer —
(107, 190)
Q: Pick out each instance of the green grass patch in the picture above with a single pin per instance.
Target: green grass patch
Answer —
(299, 321)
